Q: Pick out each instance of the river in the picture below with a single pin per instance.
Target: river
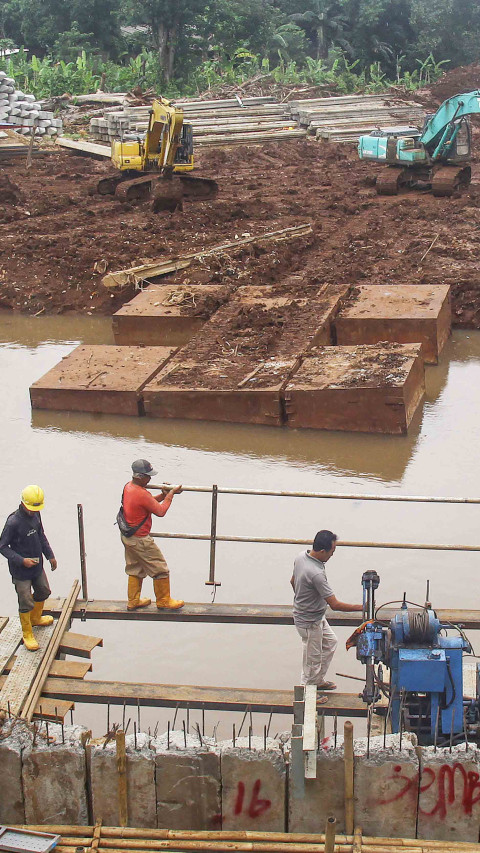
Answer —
(85, 458)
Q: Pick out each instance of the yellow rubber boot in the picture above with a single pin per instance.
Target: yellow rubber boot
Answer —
(28, 638)
(162, 594)
(134, 590)
(36, 617)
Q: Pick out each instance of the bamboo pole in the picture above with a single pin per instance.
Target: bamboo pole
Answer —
(339, 848)
(82, 836)
(330, 826)
(348, 780)
(122, 780)
(357, 840)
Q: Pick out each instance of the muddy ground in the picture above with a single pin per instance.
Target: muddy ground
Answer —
(57, 239)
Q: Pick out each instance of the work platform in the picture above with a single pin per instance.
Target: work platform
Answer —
(195, 697)
(241, 614)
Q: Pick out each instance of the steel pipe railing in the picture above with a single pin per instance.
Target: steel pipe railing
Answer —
(213, 538)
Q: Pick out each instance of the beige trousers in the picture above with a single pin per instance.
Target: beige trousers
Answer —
(319, 644)
(143, 557)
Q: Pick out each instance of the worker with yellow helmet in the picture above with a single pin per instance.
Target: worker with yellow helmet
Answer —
(24, 544)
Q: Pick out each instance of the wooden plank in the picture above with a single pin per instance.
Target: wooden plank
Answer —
(61, 668)
(29, 707)
(52, 709)
(310, 731)
(78, 644)
(16, 689)
(244, 614)
(194, 696)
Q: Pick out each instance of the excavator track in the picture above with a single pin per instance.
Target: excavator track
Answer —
(450, 178)
(389, 181)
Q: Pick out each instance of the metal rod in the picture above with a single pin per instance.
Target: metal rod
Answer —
(213, 538)
(233, 735)
(451, 728)
(435, 737)
(135, 734)
(138, 714)
(83, 554)
(168, 735)
(329, 495)
(408, 546)
(184, 734)
(335, 731)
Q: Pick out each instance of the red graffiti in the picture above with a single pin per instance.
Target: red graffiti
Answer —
(256, 806)
(447, 791)
(446, 788)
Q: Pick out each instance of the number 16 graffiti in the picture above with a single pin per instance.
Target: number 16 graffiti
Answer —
(256, 806)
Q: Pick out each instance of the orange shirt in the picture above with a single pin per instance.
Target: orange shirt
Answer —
(139, 502)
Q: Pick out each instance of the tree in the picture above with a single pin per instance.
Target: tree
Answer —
(325, 24)
(168, 21)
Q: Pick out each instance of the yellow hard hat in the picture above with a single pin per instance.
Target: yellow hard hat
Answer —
(33, 498)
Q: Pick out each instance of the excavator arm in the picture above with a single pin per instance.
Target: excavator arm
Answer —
(163, 135)
(442, 128)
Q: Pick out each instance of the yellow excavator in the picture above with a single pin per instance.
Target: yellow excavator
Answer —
(156, 165)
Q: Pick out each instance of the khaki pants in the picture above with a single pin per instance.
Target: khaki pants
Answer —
(319, 644)
(143, 557)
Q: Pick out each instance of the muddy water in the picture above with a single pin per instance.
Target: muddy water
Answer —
(84, 458)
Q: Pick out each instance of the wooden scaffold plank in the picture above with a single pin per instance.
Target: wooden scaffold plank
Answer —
(15, 691)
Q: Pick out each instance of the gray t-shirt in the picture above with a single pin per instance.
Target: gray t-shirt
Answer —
(311, 589)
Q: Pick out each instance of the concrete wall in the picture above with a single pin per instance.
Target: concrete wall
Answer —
(199, 784)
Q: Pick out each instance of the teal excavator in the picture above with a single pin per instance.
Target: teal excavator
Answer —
(436, 157)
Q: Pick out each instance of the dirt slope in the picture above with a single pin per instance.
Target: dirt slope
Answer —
(56, 239)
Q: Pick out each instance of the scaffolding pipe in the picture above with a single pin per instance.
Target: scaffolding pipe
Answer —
(326, 495)
(412, 546)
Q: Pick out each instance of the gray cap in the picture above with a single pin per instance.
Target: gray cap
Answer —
(143, 468)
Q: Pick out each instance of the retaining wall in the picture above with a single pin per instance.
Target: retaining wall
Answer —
(187, 781)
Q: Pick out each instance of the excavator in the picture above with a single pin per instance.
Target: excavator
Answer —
(436, 157)
(156, 165)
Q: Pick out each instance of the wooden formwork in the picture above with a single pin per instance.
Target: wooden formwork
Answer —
(403, 313)
(367, 388)
(105, 379)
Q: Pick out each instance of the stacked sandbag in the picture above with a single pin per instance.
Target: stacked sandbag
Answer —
(23, 111)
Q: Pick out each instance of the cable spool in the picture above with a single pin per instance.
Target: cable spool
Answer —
(420, 628)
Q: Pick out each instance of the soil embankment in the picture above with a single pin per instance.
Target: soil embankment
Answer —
(57, 237)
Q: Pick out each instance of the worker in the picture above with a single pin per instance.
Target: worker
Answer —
(312, 594)
(24, 544)
(142, 555)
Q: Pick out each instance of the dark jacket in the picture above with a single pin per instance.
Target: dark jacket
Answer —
(23, 536)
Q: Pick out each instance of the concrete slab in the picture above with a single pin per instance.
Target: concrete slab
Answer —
(140, 782)
(402, 313)
(449, 800)
(386, 786)
(253, 788)
(168, 314)
(105, 379)
(188, 784)
(54, 778)
(367, 388)
(321, 797)
(234, 370)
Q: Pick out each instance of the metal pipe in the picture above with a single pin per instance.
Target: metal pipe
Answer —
(420, 546)
(83, 555)
(348, 781)
(327, 495)
(213, 539)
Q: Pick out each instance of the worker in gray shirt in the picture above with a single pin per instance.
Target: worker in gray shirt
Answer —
(312, 594)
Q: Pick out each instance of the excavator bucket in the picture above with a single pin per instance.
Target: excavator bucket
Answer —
(198, 188)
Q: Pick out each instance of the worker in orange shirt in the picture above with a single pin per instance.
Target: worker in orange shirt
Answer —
(142, 555)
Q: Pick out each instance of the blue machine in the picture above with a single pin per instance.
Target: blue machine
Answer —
(426, 676)
(436, 156)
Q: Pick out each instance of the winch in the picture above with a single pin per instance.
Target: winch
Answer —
(425, 687)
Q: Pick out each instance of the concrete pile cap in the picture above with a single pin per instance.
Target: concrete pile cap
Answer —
(143, 744)
(177, 742)
(16, 734)
(392, 745)
(72, 736)
(255, 744)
